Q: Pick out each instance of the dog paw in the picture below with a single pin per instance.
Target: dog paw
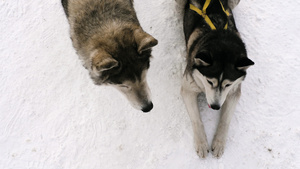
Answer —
(202, 149)
(218, 147)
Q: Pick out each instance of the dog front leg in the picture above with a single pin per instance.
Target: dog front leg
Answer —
(200, 141)
(227, 111)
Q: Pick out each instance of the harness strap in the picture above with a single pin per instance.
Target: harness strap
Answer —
(206, 4)
(226, 12)
(204, 15)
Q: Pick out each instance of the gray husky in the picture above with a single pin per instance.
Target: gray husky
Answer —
(216, 65)
(112, 45)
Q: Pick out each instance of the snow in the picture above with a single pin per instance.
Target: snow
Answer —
(54, 117)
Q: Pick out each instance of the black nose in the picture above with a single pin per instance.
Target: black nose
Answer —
(215, 107)
(148, 107)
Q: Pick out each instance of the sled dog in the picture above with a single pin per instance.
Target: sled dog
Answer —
(112, 46)
(216, 65)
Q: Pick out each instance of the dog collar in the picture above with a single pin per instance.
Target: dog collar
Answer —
(204, 15)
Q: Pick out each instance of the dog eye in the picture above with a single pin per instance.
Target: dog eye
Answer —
(227, 85)
(124, 86)
(210, 82)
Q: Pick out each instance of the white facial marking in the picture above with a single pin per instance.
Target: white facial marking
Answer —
(213, 82)
(214, 93)
(226, 83)
(221, 77)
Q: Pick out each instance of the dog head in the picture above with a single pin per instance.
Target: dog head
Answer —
(122, 60)
(219, 65)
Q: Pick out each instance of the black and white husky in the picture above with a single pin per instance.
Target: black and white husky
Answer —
(216, 65)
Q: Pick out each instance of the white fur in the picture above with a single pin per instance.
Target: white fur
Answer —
(193, 85)
(227, 111)
(189, 92)
(214, 94)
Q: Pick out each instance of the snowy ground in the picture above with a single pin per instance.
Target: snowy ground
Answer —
(53, 117)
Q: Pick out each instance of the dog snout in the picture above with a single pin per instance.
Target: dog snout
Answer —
(215, 106)
(148, 107)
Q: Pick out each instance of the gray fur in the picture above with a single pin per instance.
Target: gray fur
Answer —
(111, 43)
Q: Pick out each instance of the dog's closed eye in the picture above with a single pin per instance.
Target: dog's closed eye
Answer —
(124, 86)
(211, 83)
(226, 83)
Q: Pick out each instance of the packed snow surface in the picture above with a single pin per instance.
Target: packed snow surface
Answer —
(53, 117)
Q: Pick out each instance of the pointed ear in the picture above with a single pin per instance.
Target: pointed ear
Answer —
(102, 61)
(203, 59)
(143, 40)
(244, 63)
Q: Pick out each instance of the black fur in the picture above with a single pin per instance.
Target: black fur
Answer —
(222, 49)
(65, 5)
(193, 20)
(219, 55)
(225, 49)
(125, 70)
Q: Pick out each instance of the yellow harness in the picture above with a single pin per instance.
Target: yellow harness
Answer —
(204, 15)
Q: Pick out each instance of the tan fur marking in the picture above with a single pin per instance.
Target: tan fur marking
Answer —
(193, 37)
